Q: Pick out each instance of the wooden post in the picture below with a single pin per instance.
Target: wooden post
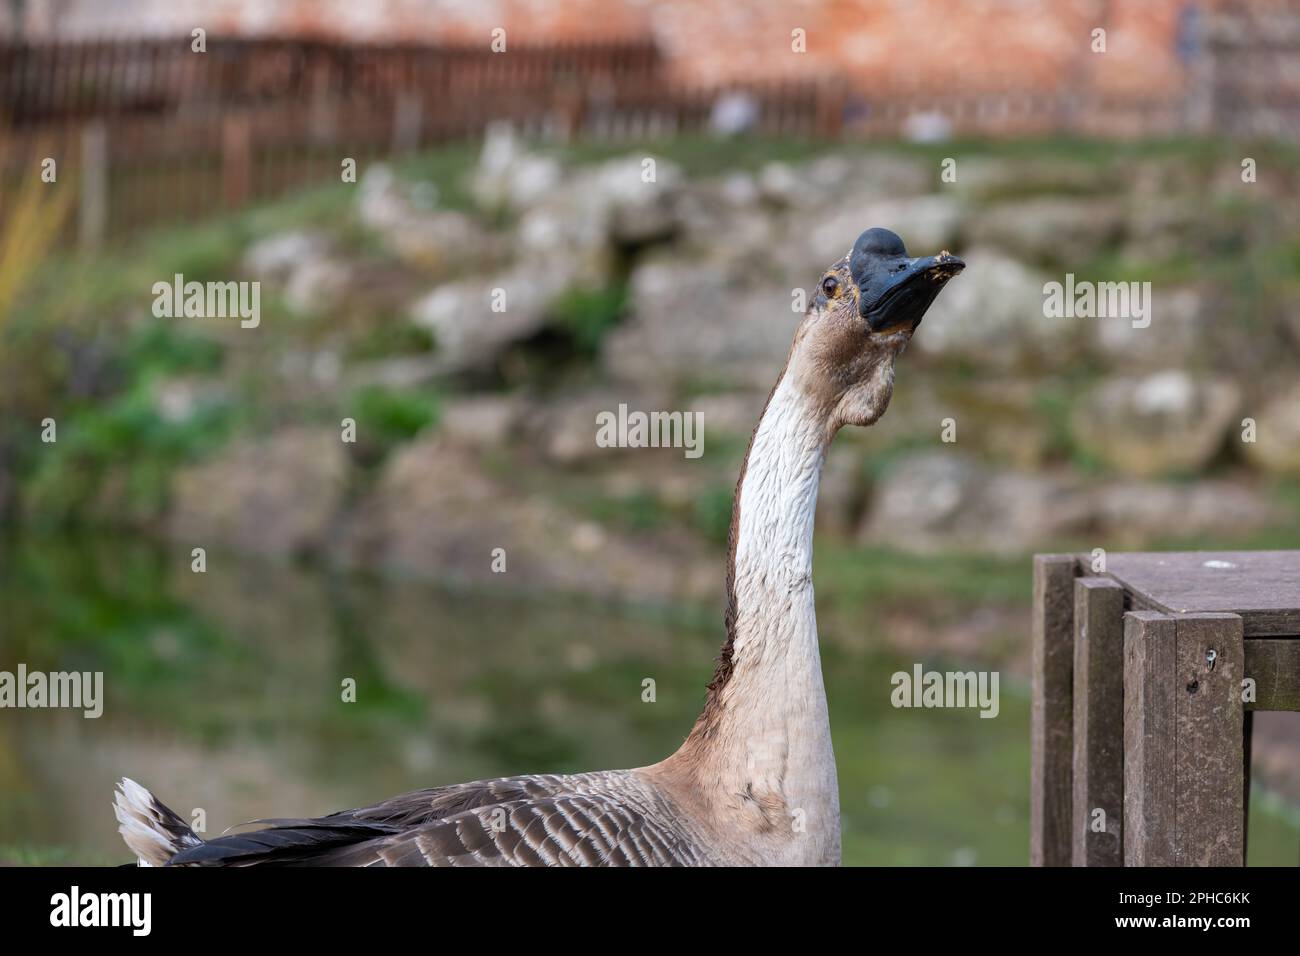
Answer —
(408, 115)
(1098, 801)
(1209, 808)
(1149, 720)
(1183, 736)
(93, 219)
(236, 159)
(1051, 721)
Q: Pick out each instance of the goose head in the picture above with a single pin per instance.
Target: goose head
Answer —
(863, 313)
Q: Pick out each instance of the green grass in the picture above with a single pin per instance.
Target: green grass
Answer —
(855, 576)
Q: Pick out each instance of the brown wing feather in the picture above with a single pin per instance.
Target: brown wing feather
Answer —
(602, 819)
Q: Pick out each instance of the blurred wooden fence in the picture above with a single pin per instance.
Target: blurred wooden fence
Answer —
(153, 132)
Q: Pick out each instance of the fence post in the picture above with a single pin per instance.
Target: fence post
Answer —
(1098, 722)
(1184, 802)
(93, 219)
(1051, 721)
(408, 116)
(1150, 664)
(1210, 806)
(236, 159)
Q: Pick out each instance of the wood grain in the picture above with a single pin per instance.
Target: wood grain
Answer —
(1208, 741)
(1098, 761)
(1263, 587)
(1150, 768)
(1051, 721)
(1274, 664)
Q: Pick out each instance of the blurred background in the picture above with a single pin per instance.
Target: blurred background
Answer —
(521, 170)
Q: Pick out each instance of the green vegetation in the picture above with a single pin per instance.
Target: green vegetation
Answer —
(394, 415)
(588, 314)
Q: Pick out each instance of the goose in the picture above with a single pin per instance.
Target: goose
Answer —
(754, 783)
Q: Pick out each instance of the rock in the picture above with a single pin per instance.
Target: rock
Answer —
(508, 176)
(992, 314)
(276, 495)
(578, 227)
(313, 274)
(933, 501)
(1161, 228)
(1157, 424)
(1132, 513)
(1176, 330)
(438, 241)
(276, 257)
(402, 372)
(733, 414)
(937, 500)
(1276, 447)
(843, 489)
(780, 184)
(481, 421)
(637, 211)
(693, 323)
(721, 224)
(568, 424)
(316, 284)
(435, 512)
(1053, 230)
(469, 334)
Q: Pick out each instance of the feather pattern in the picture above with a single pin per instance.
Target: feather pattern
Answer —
(613, 818)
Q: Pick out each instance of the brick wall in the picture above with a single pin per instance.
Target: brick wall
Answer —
(907, 47)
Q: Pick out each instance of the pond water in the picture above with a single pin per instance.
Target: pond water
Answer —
(223, 694)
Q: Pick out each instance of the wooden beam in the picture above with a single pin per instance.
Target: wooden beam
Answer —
(1051, 723)
(1150, 668)
(1098, 762)
(1209, 804)
(1274, 666)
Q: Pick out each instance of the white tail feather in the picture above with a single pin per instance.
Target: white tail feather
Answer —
(152, 832)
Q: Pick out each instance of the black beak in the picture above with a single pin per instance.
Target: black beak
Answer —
(906, 291)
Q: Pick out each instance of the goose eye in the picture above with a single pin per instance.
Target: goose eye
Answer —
(830, 286)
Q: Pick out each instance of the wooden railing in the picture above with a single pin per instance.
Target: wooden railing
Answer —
(1147, 670)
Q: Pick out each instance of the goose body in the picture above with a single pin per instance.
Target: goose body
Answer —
(754, 783)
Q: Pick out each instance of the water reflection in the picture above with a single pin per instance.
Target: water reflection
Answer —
(224, 692)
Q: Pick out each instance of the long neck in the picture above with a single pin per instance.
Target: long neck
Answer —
(764, 736)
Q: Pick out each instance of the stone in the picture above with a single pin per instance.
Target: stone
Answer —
(1174, 335)
(1163, 423)
(437, 513)
(1064, 232)
(276, 257)
(933, 501)
(939, 500)
(469, 335)
(481, 421)
(276, 495)
(992, 314)
(693, 323)
(435, 240)
(508, 175)
(1276, 448)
